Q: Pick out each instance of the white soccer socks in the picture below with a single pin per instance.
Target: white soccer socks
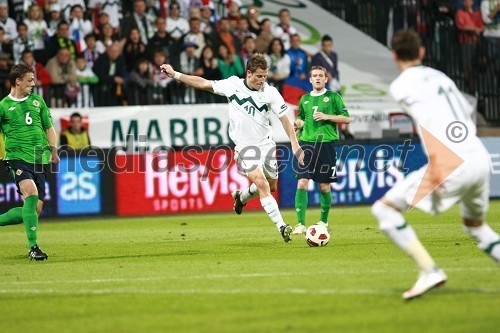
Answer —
(249, 193)
(271, 207)
(487, 239)
(392, 223)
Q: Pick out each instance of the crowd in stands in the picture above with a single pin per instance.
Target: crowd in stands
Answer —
(107, 53)
(462, 38)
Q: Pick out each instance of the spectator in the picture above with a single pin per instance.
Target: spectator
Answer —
(283, 29)
(139, 20)
(228, 38)
(107, 38)
(189, 62)
(111, 9)
(140, 83)
(75, 137)
(53, 19)
(161, 82)
(92, 52)
(8, 25)
(177, 26)
(470, 26)
(208, 69)
(279, 64)
(248, 49)
(233, 13)
(134, 49)
(263, 40)
(86, 80)
(254, 24)
(67, 5)
(110, 68)
(62, 71)
(162, 40)
(42, 77)
(197, 36)
(328, 59)
(21, 42)
(4, 75)
(61, 40)
(490, 11)
(242, 31)
(299, 65)
(207, 20)
(79, 27)
(401, 16)
(229, 64)
(37, 32)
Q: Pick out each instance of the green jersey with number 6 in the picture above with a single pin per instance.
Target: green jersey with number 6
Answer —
(24, 122)
(328, 102)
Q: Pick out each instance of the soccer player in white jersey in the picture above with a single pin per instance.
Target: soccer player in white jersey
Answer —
(251, 102)
(458, 169)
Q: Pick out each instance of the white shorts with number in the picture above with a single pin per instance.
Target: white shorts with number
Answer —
(263, 156)
(468, 184)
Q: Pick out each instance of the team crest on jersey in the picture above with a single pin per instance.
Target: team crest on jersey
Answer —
(326, 99)
(19, 172)
(36, 103)
(306, 102)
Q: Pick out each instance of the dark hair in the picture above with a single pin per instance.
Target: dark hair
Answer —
(90, 35)
(406, 44)
(284, 10)
(172, 4)
(326, 38)
(22, 24)
(18, 72)
(256, 61)
(270, 49)
(75, 114)
(62, 23)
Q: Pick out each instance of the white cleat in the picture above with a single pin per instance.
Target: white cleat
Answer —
(426, 281)
(299, 229)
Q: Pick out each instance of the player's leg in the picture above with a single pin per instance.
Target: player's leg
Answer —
(474, 207)
(268, 202)
(325, 201)
(393, 224)
(301, 201)
(11, 217)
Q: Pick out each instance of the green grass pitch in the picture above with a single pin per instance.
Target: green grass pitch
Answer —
(229, 273)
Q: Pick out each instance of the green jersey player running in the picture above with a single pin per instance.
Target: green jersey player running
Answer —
(319, 113)
(30, 144)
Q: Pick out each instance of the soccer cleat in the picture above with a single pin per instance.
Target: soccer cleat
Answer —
(325, 224)
(426, 281)
(299, 229)
(36, 253)
(238, 205)
(285, 231)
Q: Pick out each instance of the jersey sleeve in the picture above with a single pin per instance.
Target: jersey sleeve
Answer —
(278, 105)
(45, 115)
(341, 108)
(226, 87)
(301, 115)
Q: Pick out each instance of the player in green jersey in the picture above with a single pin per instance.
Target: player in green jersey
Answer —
(319, 113)
(30, 144)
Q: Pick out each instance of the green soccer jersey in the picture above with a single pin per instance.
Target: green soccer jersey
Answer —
(320, 131)
(24, 122)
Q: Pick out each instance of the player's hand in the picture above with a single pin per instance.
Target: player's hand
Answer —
(54, 158)
(320, 116)
(298, 153)
(167, 70)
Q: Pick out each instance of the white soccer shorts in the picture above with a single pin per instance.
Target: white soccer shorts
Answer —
(263, 156)
(469, 185)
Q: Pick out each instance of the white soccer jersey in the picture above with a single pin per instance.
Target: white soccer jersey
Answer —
(434, 102)
(249, 110)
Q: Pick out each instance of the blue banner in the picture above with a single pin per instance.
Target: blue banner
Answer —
(79, 183)
(365, 172)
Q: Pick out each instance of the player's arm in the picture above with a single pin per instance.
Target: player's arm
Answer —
(299, 122)
(191, 80)
(52, 139)
(288, 127)
(341, 115)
